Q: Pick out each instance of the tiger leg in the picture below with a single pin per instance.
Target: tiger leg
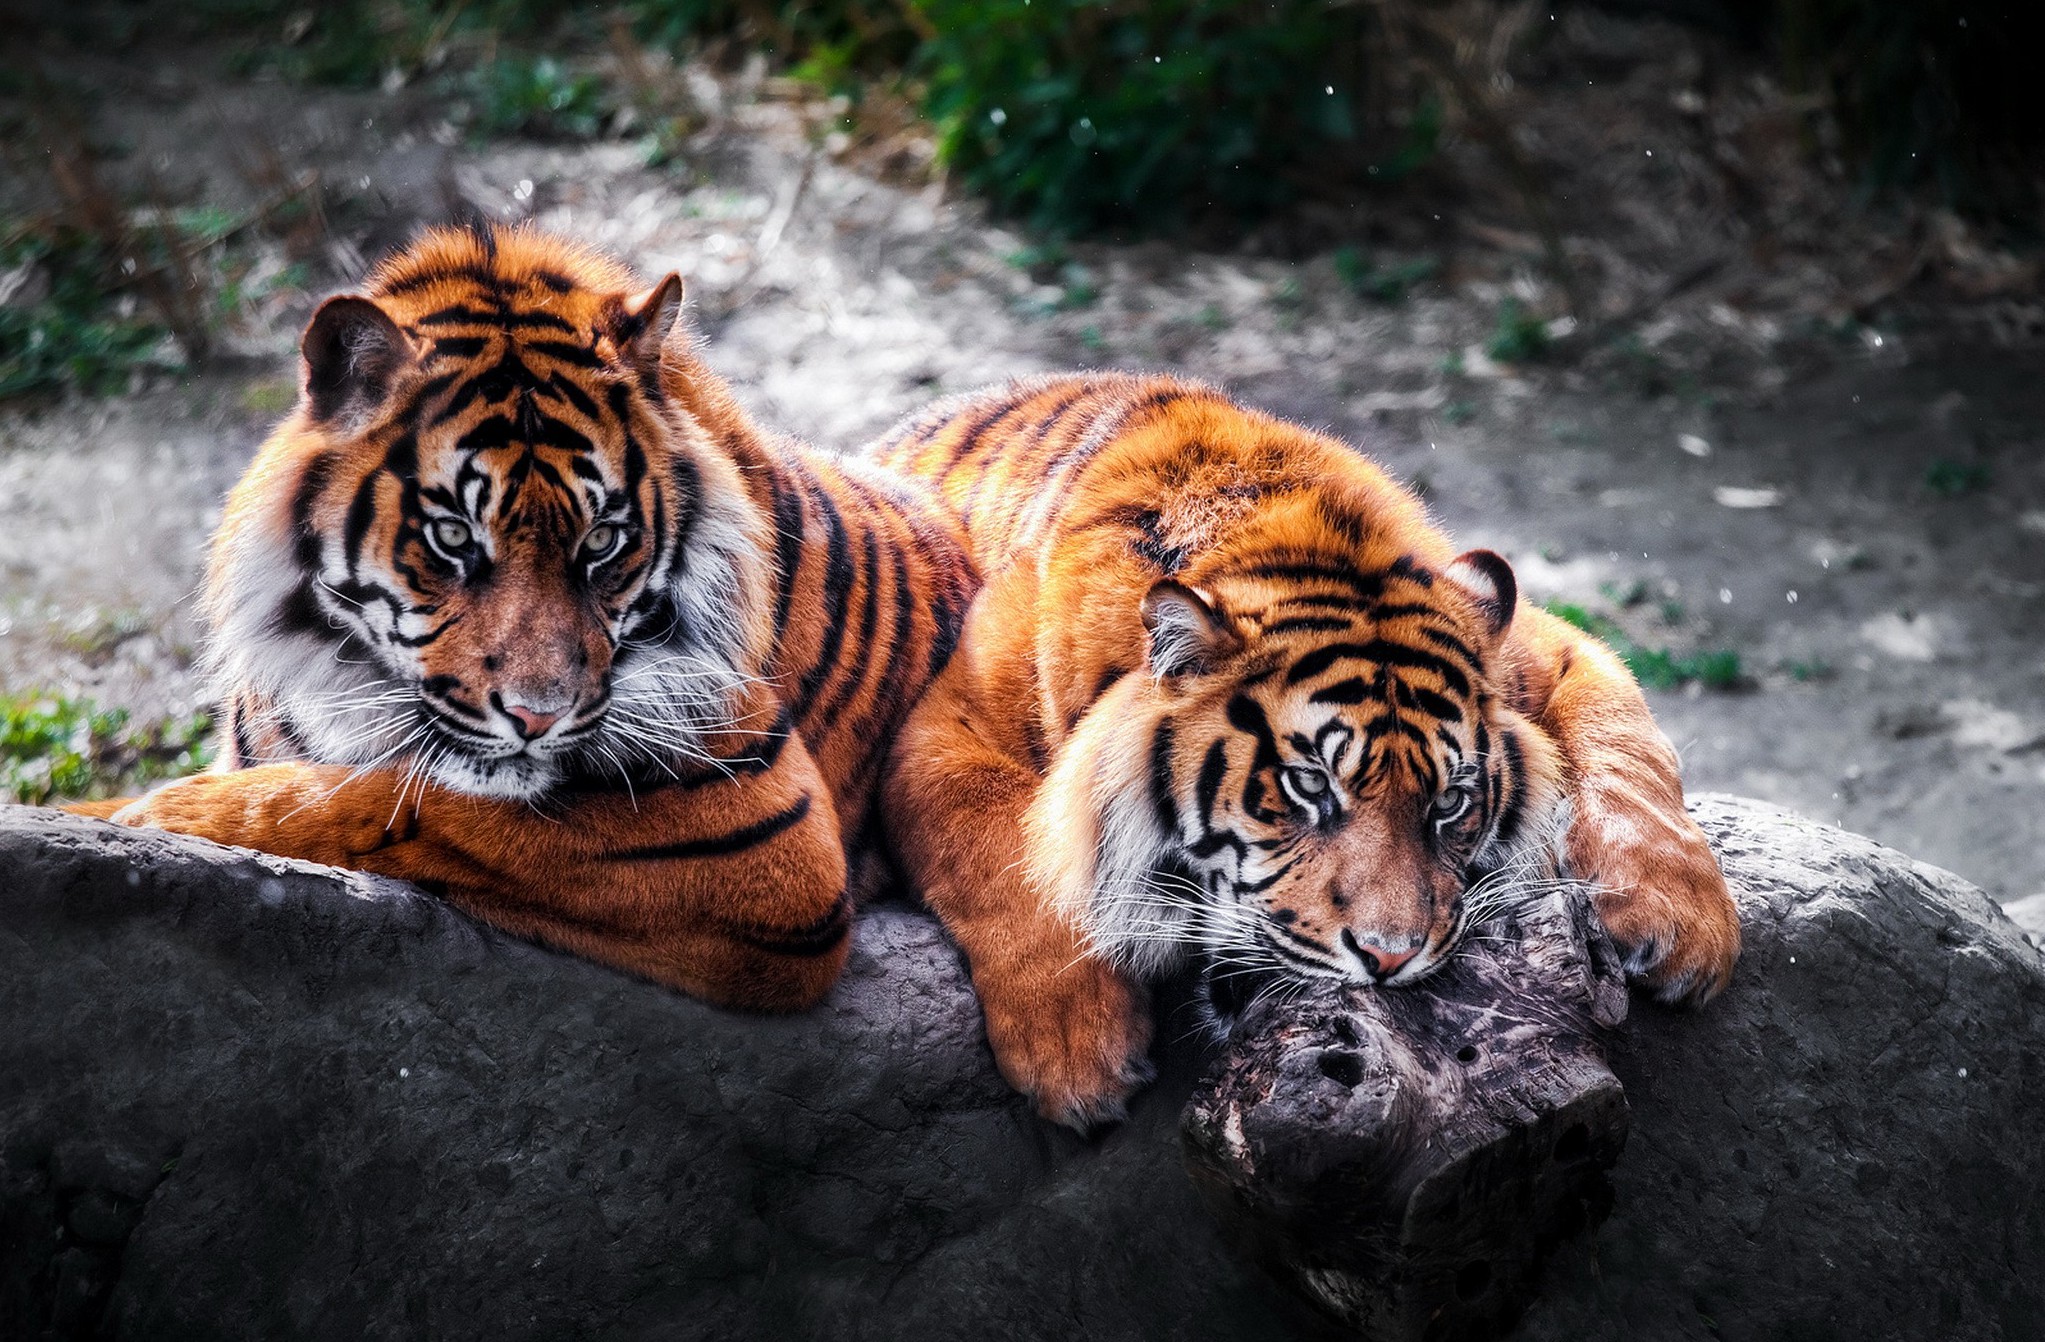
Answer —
(1660, 891)
(1067, 1028)
(732, 890)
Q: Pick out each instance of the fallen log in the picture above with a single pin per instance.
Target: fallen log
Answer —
(1408, 1158)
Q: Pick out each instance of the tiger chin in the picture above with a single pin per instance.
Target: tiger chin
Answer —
(518, 605)
(1228, 696)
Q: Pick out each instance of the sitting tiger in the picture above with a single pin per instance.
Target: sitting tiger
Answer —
(517, 605)
(1226, 691)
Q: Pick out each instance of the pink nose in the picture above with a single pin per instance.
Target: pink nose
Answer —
(527, 723)
(1381, 962)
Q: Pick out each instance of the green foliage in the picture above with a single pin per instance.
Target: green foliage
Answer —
(826, 40)
(1050, 265)
(1520, 336)
(1950, 479)
(517, 95)
(1084, 115)
(1656, 668)
(1387, 284)
(54, 747)
(356, 43)
(1803, 671)
(61, 329)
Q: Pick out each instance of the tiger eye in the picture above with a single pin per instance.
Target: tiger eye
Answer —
(601, 540)
(1452, 803)
(451, 535)
(1309, 783)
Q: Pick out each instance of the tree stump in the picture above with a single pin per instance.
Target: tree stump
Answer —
(1407, 1158)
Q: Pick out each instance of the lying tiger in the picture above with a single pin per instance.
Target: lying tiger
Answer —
(517, 605)
(1227, 691)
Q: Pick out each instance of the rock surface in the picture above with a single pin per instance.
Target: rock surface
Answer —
(241, 1097)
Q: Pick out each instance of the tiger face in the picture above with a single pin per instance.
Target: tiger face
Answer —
(1306, 784)
(487, 547)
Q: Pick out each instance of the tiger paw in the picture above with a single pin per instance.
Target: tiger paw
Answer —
(275, 808)
(1661, 895)
(1072, 1036)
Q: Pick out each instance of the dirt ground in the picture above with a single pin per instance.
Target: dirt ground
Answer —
(1861, 518)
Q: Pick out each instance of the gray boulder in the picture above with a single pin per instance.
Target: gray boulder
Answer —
(243, 1097)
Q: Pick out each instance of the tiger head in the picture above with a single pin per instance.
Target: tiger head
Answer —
(493, 543)
(1315, 776)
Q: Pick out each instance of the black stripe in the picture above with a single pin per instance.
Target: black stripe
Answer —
(1407, 567)
(1440, 706)
(837, 593)
(1511, 774)
(1107, 682)
(458, 347)
(1068, 466)
(762, 754)
(819, 937)
(238, 733)
(1316, 624)
(885, 709)
(1364, 585)
(1289, 955)
(1382, 651)
(361, 516)
(721, 845)
(426, 391)
(1401, 609)
(1283, 928)
(1213, 770)
(1163, 804)
(788, 538)
(563, 352)
(305, 539)
(987, 418)
(1449, 641)
(575, 395)
(482, 275)
(1037, 435)
(1353, 690)
(861, 658)
(1331, 601)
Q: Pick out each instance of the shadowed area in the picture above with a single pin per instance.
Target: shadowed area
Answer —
(249, 1098)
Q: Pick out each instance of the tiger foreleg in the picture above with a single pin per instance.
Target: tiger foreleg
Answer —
(1067, 1028)
(733, 891)
(1659, 888)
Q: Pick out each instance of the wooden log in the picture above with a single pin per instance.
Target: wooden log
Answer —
(1408, 1157)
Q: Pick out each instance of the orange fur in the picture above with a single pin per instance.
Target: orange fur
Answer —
(518, 605)
(1226, 687)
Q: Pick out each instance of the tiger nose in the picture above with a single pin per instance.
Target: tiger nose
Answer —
(1377, 961)
(527, 722)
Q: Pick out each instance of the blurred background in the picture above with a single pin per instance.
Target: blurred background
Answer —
(1721, 318)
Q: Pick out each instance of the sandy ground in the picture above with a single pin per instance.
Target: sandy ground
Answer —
(1893, 637)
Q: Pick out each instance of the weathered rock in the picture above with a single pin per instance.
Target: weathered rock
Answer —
(244, 1097)
(1845, 1145)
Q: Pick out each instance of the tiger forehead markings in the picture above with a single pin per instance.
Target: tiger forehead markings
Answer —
(554, 596)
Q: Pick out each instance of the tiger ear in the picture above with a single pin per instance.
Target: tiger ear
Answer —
(353, 351)
(1487, 580)
(642, 330)
(1187, 634)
